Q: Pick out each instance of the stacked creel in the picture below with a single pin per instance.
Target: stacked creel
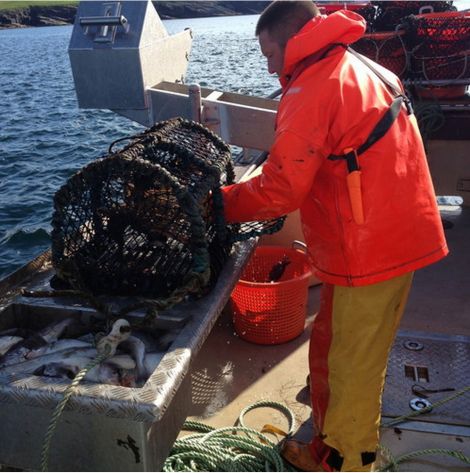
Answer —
(390, 13)
(365, 9)
(418, 41)
(385, 48)
(439, 48)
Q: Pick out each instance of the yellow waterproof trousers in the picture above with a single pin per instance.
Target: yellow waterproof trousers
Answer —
(349, 347)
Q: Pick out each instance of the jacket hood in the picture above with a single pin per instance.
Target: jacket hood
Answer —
(343, 26)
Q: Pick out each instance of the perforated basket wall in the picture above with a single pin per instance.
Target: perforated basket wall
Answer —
(439, 45)
(386, 48)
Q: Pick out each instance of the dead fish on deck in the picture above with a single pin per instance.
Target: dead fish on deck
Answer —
(136, 348)
(72, 357)
(17, 332)
(105, 373)
(117, 370)
(157, 339)
(59, 345)
(166, 338)
(36, 343)
(29, 366)
(151, 362)
(7, 341)
(148, 338)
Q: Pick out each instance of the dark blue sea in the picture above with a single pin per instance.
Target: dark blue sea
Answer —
(45, 137)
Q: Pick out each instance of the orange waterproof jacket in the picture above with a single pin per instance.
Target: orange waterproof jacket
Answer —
(331, 106)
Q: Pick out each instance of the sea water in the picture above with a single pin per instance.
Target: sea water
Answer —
(45, 137)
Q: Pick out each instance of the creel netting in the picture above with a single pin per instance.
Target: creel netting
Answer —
(390, 13)
(145, 219)
(439, 45)
(365, 9)
(385, 48)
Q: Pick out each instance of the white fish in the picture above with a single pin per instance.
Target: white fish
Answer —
(53, 331)
(7, 341)
(72, 358)
(136, 348)
(59, 345)
(20, 351)
(29, 366)
(157, 339)
(151, 361)
(122, 361)
(103, 374)
(168, 337)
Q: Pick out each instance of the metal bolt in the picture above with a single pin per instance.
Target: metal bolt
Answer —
(418, 404)
(413, 345)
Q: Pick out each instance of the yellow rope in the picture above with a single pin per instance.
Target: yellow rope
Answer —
(60, 407)
(106, 347)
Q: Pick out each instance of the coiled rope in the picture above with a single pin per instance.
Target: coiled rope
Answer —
(223, 450)
(429, 116)
(393, 462)
(106, 347)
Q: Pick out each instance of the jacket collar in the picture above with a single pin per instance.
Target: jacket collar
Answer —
(343, 26)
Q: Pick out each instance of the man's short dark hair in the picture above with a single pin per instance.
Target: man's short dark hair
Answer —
(282, 19)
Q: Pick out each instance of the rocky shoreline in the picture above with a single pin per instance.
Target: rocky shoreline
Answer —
(64, 15)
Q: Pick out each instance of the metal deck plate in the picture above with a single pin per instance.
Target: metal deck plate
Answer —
(433, 362)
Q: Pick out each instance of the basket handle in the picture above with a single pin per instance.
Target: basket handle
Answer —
(426, 9)
(299, 245)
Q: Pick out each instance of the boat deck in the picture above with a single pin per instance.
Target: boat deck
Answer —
(224, 374)
(229, 373)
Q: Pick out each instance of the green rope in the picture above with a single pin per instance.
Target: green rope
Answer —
(60, 407)
(412, 414)
(394, 462)
(223, 450)
(429, 116)
(275, 405)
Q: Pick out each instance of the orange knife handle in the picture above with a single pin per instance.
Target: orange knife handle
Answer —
(355, 196)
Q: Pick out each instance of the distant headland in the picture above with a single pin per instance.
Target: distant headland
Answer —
(23, 14)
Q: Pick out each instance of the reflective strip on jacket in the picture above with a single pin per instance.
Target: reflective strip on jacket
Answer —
(331, 106)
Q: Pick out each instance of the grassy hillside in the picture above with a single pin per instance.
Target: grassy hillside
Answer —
(42, 3)
(21, 14)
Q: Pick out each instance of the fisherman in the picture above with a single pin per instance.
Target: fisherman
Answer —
(348, 153)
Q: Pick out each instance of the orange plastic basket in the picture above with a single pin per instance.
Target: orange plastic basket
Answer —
(272, 312)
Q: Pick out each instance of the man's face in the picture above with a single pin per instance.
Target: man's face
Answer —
(273, 52)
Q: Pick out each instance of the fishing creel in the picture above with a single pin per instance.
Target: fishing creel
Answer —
(386, 48)
(390, 12)
(363, 8)
(439, 44)
(147, 220)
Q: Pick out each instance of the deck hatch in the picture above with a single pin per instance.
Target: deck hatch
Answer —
(417, 373)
